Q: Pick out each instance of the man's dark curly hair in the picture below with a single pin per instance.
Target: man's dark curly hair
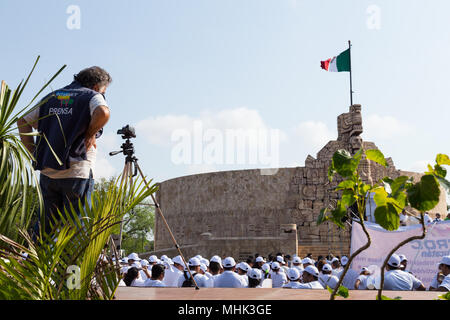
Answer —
(89, 77)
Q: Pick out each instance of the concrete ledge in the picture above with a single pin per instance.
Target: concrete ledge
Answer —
(139, 293)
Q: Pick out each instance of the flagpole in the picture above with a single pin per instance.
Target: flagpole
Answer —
(350, 58)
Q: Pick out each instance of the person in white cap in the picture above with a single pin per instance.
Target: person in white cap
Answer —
(445, 269)
(294, 279)
(396, 279)
(403, 262)
(361, 281)
(259, 261)
(145, 273)
(283, 264)
(278, 275)
(265, 269)
(158, 272)
(254, 278)
(297, 264)
(229, 278)
(336, 265)
(242, 269)
(173, 272)
(152, 260)
(185, 279)
(326, 278)
(307, 262)
(310, 279)
(132, 257)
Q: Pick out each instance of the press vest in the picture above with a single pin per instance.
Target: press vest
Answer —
(64, 119)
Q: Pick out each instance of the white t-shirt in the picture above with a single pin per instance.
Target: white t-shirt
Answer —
(446, 283)
(278, 279)
(400, 280)
(328, 280)
(292, 285)
(78, 169)
(310, 285)
(200, 279)
(153, 283)
(229, 279)
(363, 282)
(138, 282)
(171, 276)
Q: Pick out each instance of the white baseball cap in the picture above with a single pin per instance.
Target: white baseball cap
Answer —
(265, 267)
(137, 264)
(205, 261)
(280, 260)
(178, 260)
(199, 257)
(445, 260)
(255, 274)
(164, 257)
(229, 262)
(153, 259)
(307, 260)
(244, 266)
(402, 258)
(260, 259)
(194, 262)
(394, 261)
(344, 260)
(334, 259)
(293, 274)
(124, 260)
(297, 260)
(364, 269)
(134, 256)
(312, 270)
(144, 263)
(327, 267)
(275, 266)
(216, 259)
(203, 267)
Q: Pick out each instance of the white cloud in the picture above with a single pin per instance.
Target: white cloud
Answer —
(419, 166)
(312, 135)
(103, 166)
(378, 127)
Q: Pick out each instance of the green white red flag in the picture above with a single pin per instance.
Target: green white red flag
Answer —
(337, 64)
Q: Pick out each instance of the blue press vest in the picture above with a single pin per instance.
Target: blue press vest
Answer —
(66, 136)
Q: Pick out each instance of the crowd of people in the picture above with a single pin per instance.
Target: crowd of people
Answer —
(278, 271)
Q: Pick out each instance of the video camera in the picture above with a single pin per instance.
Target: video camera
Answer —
(127, 132)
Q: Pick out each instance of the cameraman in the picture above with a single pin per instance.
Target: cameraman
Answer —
(71, 118)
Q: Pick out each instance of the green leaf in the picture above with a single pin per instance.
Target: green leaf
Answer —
(376, 156)
(346, 184)
(424, 195)
(387, 217)
(445, 296)
(439, 171)
(344, 164)
(442, 159)
(348, 198)
(398, 184)
(387, 298)
(322, 217)
(342, 292)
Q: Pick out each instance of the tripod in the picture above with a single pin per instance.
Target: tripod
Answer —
(127, 173)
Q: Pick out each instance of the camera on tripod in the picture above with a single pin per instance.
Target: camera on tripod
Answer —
(127, 132)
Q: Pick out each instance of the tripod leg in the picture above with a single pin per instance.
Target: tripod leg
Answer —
(165, 222)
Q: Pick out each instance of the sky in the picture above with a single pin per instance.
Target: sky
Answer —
(191, 75)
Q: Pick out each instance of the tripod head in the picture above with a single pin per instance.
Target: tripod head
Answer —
(127, 147)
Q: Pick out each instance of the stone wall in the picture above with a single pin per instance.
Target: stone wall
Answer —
(241, 212)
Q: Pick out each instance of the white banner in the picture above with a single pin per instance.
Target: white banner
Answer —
(423, 255)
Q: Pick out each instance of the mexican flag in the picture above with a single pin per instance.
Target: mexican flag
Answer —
(337, 64)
